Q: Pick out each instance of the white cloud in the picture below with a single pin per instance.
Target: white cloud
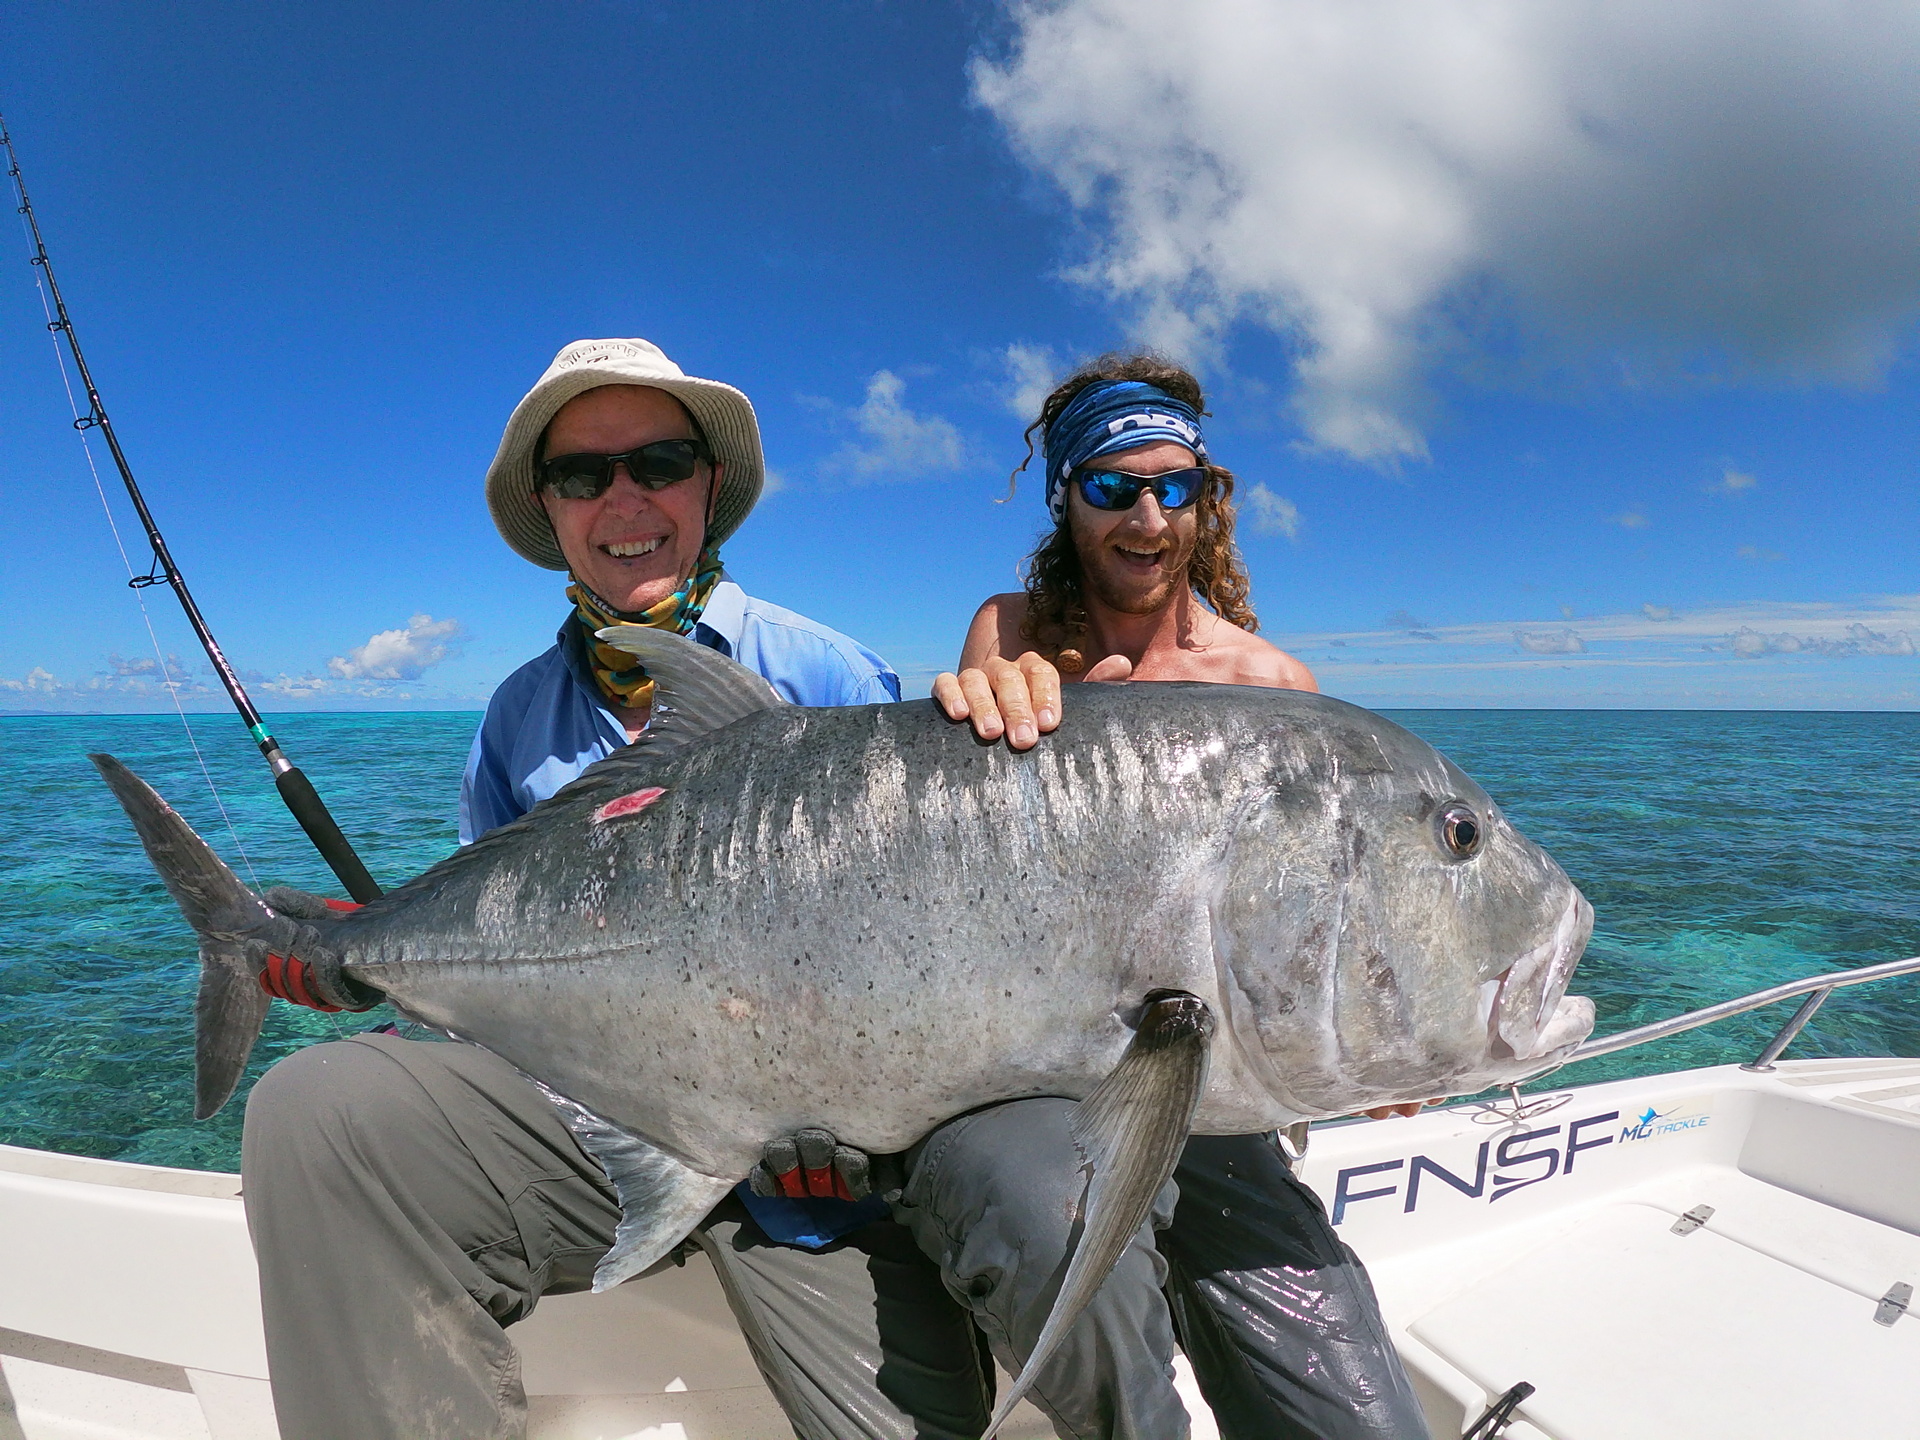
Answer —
(1859, 655)
(1755, 553)
(395, 655)
(390, 660)
(1631, 520)
(1732, 482)
(37, 681)
(297, 687)
(1272, 514)
(1883, 625)
(1549, 642)
(1862, 641)
(895, 443)
(772, 481)
(1411, 625)
(120, 665)
(122, 679)
(1631, 188)
(1032, 372)
(1749, 643)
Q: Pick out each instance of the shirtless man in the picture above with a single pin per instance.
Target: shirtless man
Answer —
(1116, 590)
(1139, 579)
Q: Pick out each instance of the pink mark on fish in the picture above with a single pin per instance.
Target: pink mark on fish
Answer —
(627, 804)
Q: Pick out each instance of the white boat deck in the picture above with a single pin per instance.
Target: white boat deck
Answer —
(1760, 1322)
(1548, 1251)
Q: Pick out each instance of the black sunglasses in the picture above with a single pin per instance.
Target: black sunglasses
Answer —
(1117, 490)
(653, 467)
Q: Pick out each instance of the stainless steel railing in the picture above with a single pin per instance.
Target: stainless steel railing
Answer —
(1815, 987)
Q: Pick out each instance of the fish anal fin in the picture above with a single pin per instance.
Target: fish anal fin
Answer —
(696, 690)
(1130, 1132)
(661, 1200)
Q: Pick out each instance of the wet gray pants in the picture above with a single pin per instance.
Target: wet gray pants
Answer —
(409, 1200)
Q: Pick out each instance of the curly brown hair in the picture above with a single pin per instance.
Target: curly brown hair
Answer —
(1056, 617)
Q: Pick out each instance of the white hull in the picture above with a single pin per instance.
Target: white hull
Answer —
(128, 1307)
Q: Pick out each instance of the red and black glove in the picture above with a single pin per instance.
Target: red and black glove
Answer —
(812, 1163)
(314, 984)
(287, 977)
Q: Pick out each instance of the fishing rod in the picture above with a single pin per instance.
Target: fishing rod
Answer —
(294, 787)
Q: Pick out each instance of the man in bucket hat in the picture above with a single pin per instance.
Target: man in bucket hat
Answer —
(408, 1200)
(629, 475)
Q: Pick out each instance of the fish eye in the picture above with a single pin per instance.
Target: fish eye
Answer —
(1460, 830)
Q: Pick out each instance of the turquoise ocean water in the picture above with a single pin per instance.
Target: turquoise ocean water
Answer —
(1723, 852)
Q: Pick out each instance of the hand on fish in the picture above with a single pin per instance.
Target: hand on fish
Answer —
(1016, 698)
(1386, 1112)
(810, 1163)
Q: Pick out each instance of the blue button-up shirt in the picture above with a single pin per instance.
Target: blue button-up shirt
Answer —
(548, 722)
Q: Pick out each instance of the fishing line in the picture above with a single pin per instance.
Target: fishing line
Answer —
(295, 789)
(159, 659)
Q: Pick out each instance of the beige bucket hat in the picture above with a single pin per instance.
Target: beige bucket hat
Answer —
(723, 413)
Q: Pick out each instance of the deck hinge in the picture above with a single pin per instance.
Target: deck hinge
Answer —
(1693, 1220)
(1894, 1303)
(1493, 1424)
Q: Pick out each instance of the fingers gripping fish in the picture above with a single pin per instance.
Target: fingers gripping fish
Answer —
(1195, 908)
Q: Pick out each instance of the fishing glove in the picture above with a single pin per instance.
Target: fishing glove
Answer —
(304, 904)
(811, 1163)
(296, 965)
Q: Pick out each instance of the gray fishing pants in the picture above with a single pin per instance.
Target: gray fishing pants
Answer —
(1275, 1312)
(409, 1200)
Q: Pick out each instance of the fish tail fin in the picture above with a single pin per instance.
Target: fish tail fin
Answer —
(228, 1011)
(226, 916)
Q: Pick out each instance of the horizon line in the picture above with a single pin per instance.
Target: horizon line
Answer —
(1904, 708)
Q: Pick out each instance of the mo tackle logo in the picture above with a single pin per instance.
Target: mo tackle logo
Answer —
(1511, 1164)
(1654, 1123)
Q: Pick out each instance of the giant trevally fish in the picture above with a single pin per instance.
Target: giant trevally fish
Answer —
(1195, 908)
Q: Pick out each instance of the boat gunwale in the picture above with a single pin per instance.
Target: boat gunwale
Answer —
(124, 1174)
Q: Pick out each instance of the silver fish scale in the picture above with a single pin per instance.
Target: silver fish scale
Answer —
(863, 919)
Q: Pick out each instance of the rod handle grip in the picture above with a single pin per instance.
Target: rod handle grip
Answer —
(307, 807)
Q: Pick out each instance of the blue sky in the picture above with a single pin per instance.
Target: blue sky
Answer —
(1565, 355)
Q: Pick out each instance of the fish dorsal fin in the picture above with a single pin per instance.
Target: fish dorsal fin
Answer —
(1130, 1132)
(696, 690)
(661, 1200)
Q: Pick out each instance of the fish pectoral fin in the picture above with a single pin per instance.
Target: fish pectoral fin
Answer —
(696, 690)
(1130, 1132)
(661, 1200)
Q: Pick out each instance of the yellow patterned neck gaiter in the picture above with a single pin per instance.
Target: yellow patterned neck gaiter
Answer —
(622, 679)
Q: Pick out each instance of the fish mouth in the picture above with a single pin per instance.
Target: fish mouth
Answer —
(1532, 1014)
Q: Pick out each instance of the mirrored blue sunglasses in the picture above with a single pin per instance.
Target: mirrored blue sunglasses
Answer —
(1118, 490)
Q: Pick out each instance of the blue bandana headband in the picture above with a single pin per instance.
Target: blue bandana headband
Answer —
(1112, 415)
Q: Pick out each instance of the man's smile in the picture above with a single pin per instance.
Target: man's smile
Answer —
(632, 549)
(1143, 557)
